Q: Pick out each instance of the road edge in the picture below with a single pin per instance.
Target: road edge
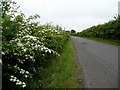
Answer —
(80, 73)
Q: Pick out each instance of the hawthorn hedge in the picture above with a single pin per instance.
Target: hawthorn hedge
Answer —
(27, 47)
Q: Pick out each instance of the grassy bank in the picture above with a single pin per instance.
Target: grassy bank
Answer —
(107, 41)
(62, 73)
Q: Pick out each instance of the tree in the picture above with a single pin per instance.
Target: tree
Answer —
(73, 31)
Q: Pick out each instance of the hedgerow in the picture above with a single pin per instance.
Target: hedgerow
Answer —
(27, 47)
(109, 30)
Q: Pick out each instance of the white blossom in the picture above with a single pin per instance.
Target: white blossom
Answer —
(29, 36)
(19, 44)
(24, 49)
(24, 85)
(3, 53)
(49, 51)
(22, 71)
(19, 83)
(11, 79)
(26, 76)
(0, 61)
(27, 72)
(12, 76)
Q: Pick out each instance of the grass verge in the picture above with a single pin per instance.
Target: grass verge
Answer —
(62, 73)
(107, 41)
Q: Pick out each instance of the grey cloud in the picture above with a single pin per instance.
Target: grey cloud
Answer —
(72, 14)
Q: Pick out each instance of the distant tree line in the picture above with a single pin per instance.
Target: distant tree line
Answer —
(109, 30)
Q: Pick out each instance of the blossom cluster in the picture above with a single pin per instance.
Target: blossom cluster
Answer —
(17, 81)
(28, 44)
(22, 71)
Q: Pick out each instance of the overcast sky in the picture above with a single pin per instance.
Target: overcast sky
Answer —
(71, 14)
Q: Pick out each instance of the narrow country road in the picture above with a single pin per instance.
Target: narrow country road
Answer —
(99, 63)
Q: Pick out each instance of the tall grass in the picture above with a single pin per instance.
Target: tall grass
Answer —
(62, 73)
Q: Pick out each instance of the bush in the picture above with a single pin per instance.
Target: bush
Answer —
(27, 47)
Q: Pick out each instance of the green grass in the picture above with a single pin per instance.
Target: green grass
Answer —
(62, 73)
(107, 41)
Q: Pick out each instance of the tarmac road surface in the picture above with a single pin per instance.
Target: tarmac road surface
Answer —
(99, 63)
